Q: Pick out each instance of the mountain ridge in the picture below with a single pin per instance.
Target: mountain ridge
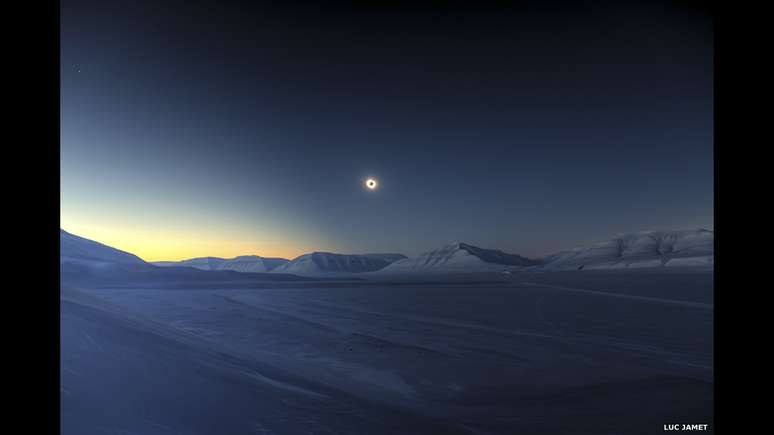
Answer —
(323, 263)
(643, 249)
(241, 263)
(459, 256)
(640, 249)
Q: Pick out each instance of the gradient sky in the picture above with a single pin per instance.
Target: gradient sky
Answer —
(229, 128)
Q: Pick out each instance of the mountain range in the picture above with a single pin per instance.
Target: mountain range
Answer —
(646, 249)
(322, 263)
(459, 257)
(85, 261)
(243, 263)
(635, 250)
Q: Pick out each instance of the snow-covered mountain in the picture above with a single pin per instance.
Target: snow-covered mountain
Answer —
(390, 258)
(636, 250)
(687, 248)
(326, 263)
(86, 262)
(77, 250)
(243, 263)
(460, 257)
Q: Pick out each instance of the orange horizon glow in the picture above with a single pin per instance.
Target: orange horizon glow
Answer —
(165, 245)
(178, 247)
(171, 231)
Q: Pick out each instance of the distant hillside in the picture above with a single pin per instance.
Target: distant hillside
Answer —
(460, 257)
(244, 263)
(82, 258)
(645, 249)
(325, 263)
(86, 262)
(391, 258)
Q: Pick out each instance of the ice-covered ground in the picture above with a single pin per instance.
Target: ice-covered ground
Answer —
(562, 352)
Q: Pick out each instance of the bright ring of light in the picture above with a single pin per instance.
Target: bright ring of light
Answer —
(371, 184)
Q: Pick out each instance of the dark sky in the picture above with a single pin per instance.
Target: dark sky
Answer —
(227, 128)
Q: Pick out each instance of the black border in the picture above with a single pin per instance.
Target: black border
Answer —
(39, 355)
(30, 154)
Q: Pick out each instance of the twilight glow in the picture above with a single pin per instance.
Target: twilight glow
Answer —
(526, 141)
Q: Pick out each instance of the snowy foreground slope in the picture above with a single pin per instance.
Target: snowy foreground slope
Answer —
(243, 263)
(594, 352)
(83, 261)
(78, 250)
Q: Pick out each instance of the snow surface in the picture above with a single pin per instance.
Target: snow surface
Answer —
(78, 250)
(390, 258)
(158, 350)
(691, 261)
(596, 352)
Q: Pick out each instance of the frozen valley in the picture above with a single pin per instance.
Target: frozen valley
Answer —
(534, 351)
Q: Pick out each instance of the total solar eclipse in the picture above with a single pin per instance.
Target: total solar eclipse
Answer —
(371, 184)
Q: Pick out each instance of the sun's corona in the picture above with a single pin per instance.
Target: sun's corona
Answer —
(371, 184)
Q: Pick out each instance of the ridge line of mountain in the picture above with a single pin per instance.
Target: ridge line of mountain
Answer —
(641, 249)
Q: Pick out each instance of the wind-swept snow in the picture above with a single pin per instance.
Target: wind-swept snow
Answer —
(585, 353)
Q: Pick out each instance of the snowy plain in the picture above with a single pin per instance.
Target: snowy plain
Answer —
(588, 352)
(179, 350)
